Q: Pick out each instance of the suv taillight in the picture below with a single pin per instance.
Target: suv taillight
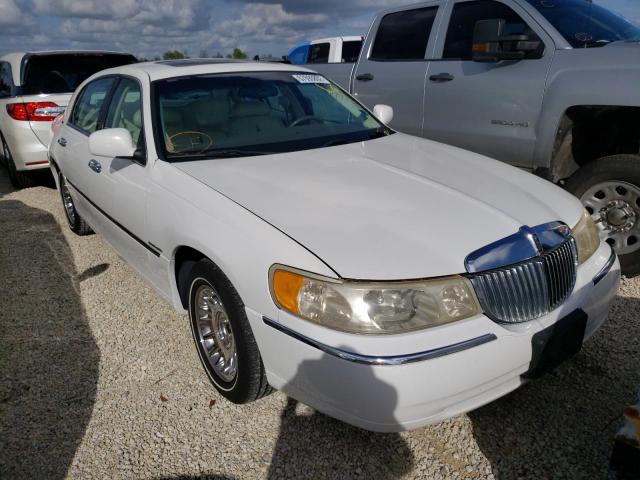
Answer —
(34, 111)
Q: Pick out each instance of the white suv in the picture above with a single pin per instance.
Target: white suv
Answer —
(35, 87)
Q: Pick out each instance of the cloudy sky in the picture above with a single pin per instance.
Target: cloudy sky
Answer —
(149, 27)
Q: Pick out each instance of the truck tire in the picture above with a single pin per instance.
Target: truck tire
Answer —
(609, 188)
(18, 179)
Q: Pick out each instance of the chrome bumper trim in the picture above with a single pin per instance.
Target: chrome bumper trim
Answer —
(383, 361)
(607, 267)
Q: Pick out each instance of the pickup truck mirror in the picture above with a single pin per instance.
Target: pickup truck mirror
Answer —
(384, 113)
(491, 45)
(112, 142)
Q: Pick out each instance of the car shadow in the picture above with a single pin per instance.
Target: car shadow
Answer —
(48, 356)
(563, 424)
(313, 445)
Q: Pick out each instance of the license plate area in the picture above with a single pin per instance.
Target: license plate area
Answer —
(557, 343)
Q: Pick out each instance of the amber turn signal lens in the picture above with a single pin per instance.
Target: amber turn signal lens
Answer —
(286, 286)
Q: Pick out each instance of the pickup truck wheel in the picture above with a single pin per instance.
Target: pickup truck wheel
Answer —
(609, 188)
(18, 179)
(76, 222)
(224, 341)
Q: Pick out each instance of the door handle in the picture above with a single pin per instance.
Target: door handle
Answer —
(95, 166)
(62, 142)
(441, 78)
(365, 77)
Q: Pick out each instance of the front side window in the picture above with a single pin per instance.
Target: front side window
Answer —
(459, 41)
(86, 111)
(319, 53)
(5, 79)
(585, 24)
(404, 35)
(215, 116)
(125, 109)
(351, 51)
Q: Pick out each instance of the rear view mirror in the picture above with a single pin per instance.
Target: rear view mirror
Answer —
(112, 142)
(384, 113)
(491, 45)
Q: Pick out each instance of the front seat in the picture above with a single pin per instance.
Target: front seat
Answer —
(211, 116)
(253, 117)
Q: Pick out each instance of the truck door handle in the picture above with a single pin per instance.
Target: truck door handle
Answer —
(95, 166)
(62, 142)
(441, 78)
(365, 77)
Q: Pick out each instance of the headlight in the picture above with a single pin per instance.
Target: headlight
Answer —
(373, 307)
(587, 237)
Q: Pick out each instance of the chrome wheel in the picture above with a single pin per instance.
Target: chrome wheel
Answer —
(615, 207)
(215, 334)
(67, 201)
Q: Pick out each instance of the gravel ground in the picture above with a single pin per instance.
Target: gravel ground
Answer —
(99, 379)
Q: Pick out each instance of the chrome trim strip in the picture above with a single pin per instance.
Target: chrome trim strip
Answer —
(607, 267)
(383, 361)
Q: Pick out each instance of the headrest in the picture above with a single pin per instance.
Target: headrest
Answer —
(171, 115)
(251, 109)
(259, 91)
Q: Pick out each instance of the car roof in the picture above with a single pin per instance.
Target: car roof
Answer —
(200, 66)
(350, 38)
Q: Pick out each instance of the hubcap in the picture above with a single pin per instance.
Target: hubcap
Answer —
(215, 333)
(67, 201)
(615, 207)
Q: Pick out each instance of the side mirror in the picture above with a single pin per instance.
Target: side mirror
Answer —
(112, 142)
(384, 113)
(491, 45)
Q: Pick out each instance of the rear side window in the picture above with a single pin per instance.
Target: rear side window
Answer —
(459, 41)
(63, 73)
(404, 35)
(351, 51)
(319, 53)
(5, 80)
(86, 111)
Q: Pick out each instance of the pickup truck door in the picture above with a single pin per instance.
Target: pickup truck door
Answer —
(489, 108)
(393, 65)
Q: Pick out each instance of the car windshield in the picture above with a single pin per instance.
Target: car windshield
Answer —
(246, 114)
(586, 24)
(62, 73)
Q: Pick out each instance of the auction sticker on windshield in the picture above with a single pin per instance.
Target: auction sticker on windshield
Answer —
(310, 78)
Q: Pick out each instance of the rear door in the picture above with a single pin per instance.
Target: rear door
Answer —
(489, 108)
(393, 65)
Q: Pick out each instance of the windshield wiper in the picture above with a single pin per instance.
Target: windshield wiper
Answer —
(222, 153)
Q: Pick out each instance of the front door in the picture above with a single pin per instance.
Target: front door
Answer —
(392, 65)
(489, 108)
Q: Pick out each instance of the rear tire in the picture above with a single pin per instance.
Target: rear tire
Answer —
(18, 179)
(75, 221)
(610, 190)
(221, 332)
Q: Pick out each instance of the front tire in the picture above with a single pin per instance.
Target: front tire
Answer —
(222, 334)
(18, 179)
(75, 221)
(609, 188)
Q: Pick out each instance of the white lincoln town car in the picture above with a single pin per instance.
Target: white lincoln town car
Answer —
(383, 279)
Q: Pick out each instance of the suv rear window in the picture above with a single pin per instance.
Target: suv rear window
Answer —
(63, 73)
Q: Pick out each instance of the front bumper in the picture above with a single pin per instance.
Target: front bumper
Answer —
(402, 382)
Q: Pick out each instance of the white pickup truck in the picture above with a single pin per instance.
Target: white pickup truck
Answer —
(551, 87)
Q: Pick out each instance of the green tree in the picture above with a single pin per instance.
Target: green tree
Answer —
(237, 53)
(218, 55)
(174, 55)
(204, 54)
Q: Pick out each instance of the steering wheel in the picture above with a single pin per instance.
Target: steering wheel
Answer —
(305, 118)
(189, 141)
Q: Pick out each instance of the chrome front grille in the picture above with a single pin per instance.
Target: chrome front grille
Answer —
(528, 290)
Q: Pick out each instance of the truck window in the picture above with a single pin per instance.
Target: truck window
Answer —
(5, 79)
(351, 51)
(404, 35)
(319, 53)
(459, 41)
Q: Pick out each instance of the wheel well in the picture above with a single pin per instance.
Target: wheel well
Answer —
(587, 133)
(184, 257)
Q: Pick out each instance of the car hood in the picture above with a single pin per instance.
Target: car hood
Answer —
(398, 207)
